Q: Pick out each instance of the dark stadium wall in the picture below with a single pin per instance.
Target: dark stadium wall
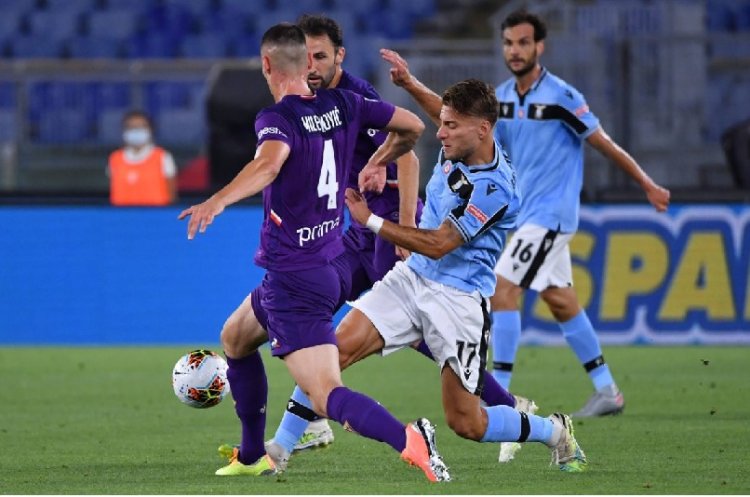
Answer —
(105, 275)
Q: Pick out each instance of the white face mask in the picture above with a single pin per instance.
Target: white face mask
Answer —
(136, 137)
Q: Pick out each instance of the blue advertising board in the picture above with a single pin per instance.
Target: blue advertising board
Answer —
(104, 275)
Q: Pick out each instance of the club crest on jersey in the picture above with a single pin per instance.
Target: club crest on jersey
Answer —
(447, 165)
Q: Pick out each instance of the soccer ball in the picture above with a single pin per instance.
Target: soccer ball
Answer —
(199, 378)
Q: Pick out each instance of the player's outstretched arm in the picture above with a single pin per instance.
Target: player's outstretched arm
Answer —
(432, 243)
(400, 75)
(256, 175)
(656, 194)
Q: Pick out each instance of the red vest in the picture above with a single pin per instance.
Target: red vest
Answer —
(138, 183)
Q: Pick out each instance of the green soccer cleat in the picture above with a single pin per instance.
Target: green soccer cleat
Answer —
(262, 467)
(566, 453)
(317, 434)
(227, 451)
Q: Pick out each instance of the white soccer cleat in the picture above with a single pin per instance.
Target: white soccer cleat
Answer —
(508, 450)
(317, 434)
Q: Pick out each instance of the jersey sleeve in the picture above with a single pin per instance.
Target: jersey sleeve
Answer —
(374, 114)
(272, 126)
(485, 206)
(577, 116)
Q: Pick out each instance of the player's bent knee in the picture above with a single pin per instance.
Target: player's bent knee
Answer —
(506, 295)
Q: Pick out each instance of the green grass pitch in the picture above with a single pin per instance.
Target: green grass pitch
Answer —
(105, 421)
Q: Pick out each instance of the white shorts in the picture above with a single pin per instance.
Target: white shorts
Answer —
(537, 258)
(405, 307)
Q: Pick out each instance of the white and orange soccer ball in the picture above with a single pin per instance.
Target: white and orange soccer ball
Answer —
(199, 378)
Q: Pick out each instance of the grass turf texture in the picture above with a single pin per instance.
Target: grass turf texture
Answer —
(105, 421)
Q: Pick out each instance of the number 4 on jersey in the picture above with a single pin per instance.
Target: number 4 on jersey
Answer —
(327, 184)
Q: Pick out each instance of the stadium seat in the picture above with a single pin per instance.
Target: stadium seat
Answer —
(90, 47)
(169, 20)
(160, 95)
(244, 6)
(54, 25)
(32, 47)
(245, 46)
(112, 95)
(112, 24)
(8, 125)
(180, 127)
(7, 95)
(78, 6)
(204, 45)
(151, 46)
(61, 126)
(141, 5)
(109, 126)
(228, 22)
(9, 26)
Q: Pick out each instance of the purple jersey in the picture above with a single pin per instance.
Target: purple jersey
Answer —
(303, 206)
(369, 140)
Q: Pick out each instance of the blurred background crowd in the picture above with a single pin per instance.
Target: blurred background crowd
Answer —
(669, 79)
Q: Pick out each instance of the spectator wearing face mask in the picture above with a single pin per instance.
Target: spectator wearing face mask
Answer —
(140, 172)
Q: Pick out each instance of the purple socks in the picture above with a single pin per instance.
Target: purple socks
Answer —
(249, 386)
(362, 415)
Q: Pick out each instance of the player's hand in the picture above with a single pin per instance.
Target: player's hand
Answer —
(357, 205)
(372, 177)
(401, 252)
(400, 74)
(201, 216)
(658, 197)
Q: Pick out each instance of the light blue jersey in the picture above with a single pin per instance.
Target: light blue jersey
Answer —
(543, 132)
(482, 202)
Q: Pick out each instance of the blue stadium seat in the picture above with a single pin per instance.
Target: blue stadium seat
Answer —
(244, 6)
(204, 45)
(8, 125)
(78, 6)
(151, 46)
(9, 26)
(228, 22)
(32, 47)
(743, 17)
(109, 126)
(88, 47)
(136, 5)
(180, 127)
(55, 25)
(395, 25)
(61, 126)
(169, 20)
(366, 7)
(196, 8)
(268, 18)
(719, 16)
(246, 46)
(112, 95)
(160, 95)
(112, 24)
(7, 95)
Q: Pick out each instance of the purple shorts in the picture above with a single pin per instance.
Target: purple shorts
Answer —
(368, 257)
(296, 308)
